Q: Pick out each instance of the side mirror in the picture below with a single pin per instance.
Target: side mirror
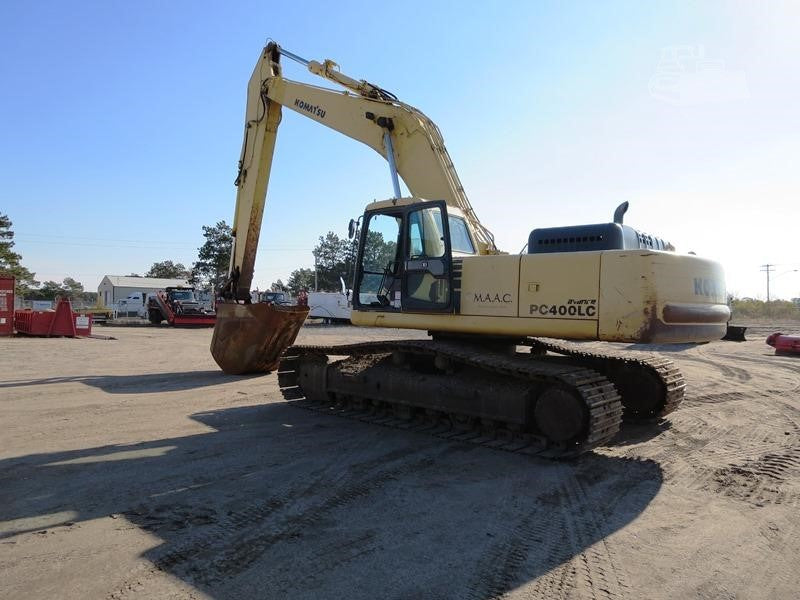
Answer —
(351, 228)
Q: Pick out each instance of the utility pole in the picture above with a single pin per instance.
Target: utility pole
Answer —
(767, 268)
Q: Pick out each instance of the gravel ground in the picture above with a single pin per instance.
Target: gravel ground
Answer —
(133, 468)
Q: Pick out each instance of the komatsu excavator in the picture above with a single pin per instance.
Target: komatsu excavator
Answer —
(426, 262)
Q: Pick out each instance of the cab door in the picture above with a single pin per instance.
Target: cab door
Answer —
(427, 259)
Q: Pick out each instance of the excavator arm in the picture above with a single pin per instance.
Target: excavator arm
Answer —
(409, 141)
(252, 337)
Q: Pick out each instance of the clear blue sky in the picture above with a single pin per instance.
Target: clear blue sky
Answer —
(122, 122)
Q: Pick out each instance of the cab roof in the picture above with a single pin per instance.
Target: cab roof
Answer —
(400, 202)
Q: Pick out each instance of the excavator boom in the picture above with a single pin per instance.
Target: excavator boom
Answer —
(409, 141)
(403, 135)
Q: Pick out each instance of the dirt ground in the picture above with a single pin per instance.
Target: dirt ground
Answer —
(133, 468)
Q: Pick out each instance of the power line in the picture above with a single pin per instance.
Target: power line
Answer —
(768, 268)
(26, 234)
(148, 245)
(142, 246)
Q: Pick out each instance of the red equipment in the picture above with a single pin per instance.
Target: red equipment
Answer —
(167, 306)
(50, 323)
(6, 305)
(784, 344)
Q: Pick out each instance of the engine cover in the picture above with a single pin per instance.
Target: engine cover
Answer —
(601, 236)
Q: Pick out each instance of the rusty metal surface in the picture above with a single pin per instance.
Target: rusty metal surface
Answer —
(250, 338)
(655, 331)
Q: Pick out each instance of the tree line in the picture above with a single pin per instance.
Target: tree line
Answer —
(744, 309)
(209, 270)
(334, 258)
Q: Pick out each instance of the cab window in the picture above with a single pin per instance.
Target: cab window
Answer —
(459, 235)
(379, 267)
(425, 234)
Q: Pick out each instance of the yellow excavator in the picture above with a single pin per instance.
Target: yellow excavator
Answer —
(426, 262)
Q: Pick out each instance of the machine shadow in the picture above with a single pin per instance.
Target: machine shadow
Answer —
(150, 383)
(638, 433)
(280, 502)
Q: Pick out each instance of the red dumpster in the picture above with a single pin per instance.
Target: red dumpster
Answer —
(59, 322)
(6, 305)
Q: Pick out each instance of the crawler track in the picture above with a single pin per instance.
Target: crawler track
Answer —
(651, 386)
(452, 390)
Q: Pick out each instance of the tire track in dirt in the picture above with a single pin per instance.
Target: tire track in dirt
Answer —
(729, 372)
(768, 574)
(593, 571)
(769, 362)
(715, 398)
(245, 549)
(345, 548)
(567, 529)
(769, 479)
(721, 397)
(500, 567)
(230, 544)
(590, 568)
(748, 450)
(696, 433)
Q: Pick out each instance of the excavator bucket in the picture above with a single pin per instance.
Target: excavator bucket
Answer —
(250, 338)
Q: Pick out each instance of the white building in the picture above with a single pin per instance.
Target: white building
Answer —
(115, 287)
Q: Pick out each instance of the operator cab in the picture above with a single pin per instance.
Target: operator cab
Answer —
(405, 259)
(274, 298)
(182, 295)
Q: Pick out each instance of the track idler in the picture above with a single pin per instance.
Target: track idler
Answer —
(250, 338)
